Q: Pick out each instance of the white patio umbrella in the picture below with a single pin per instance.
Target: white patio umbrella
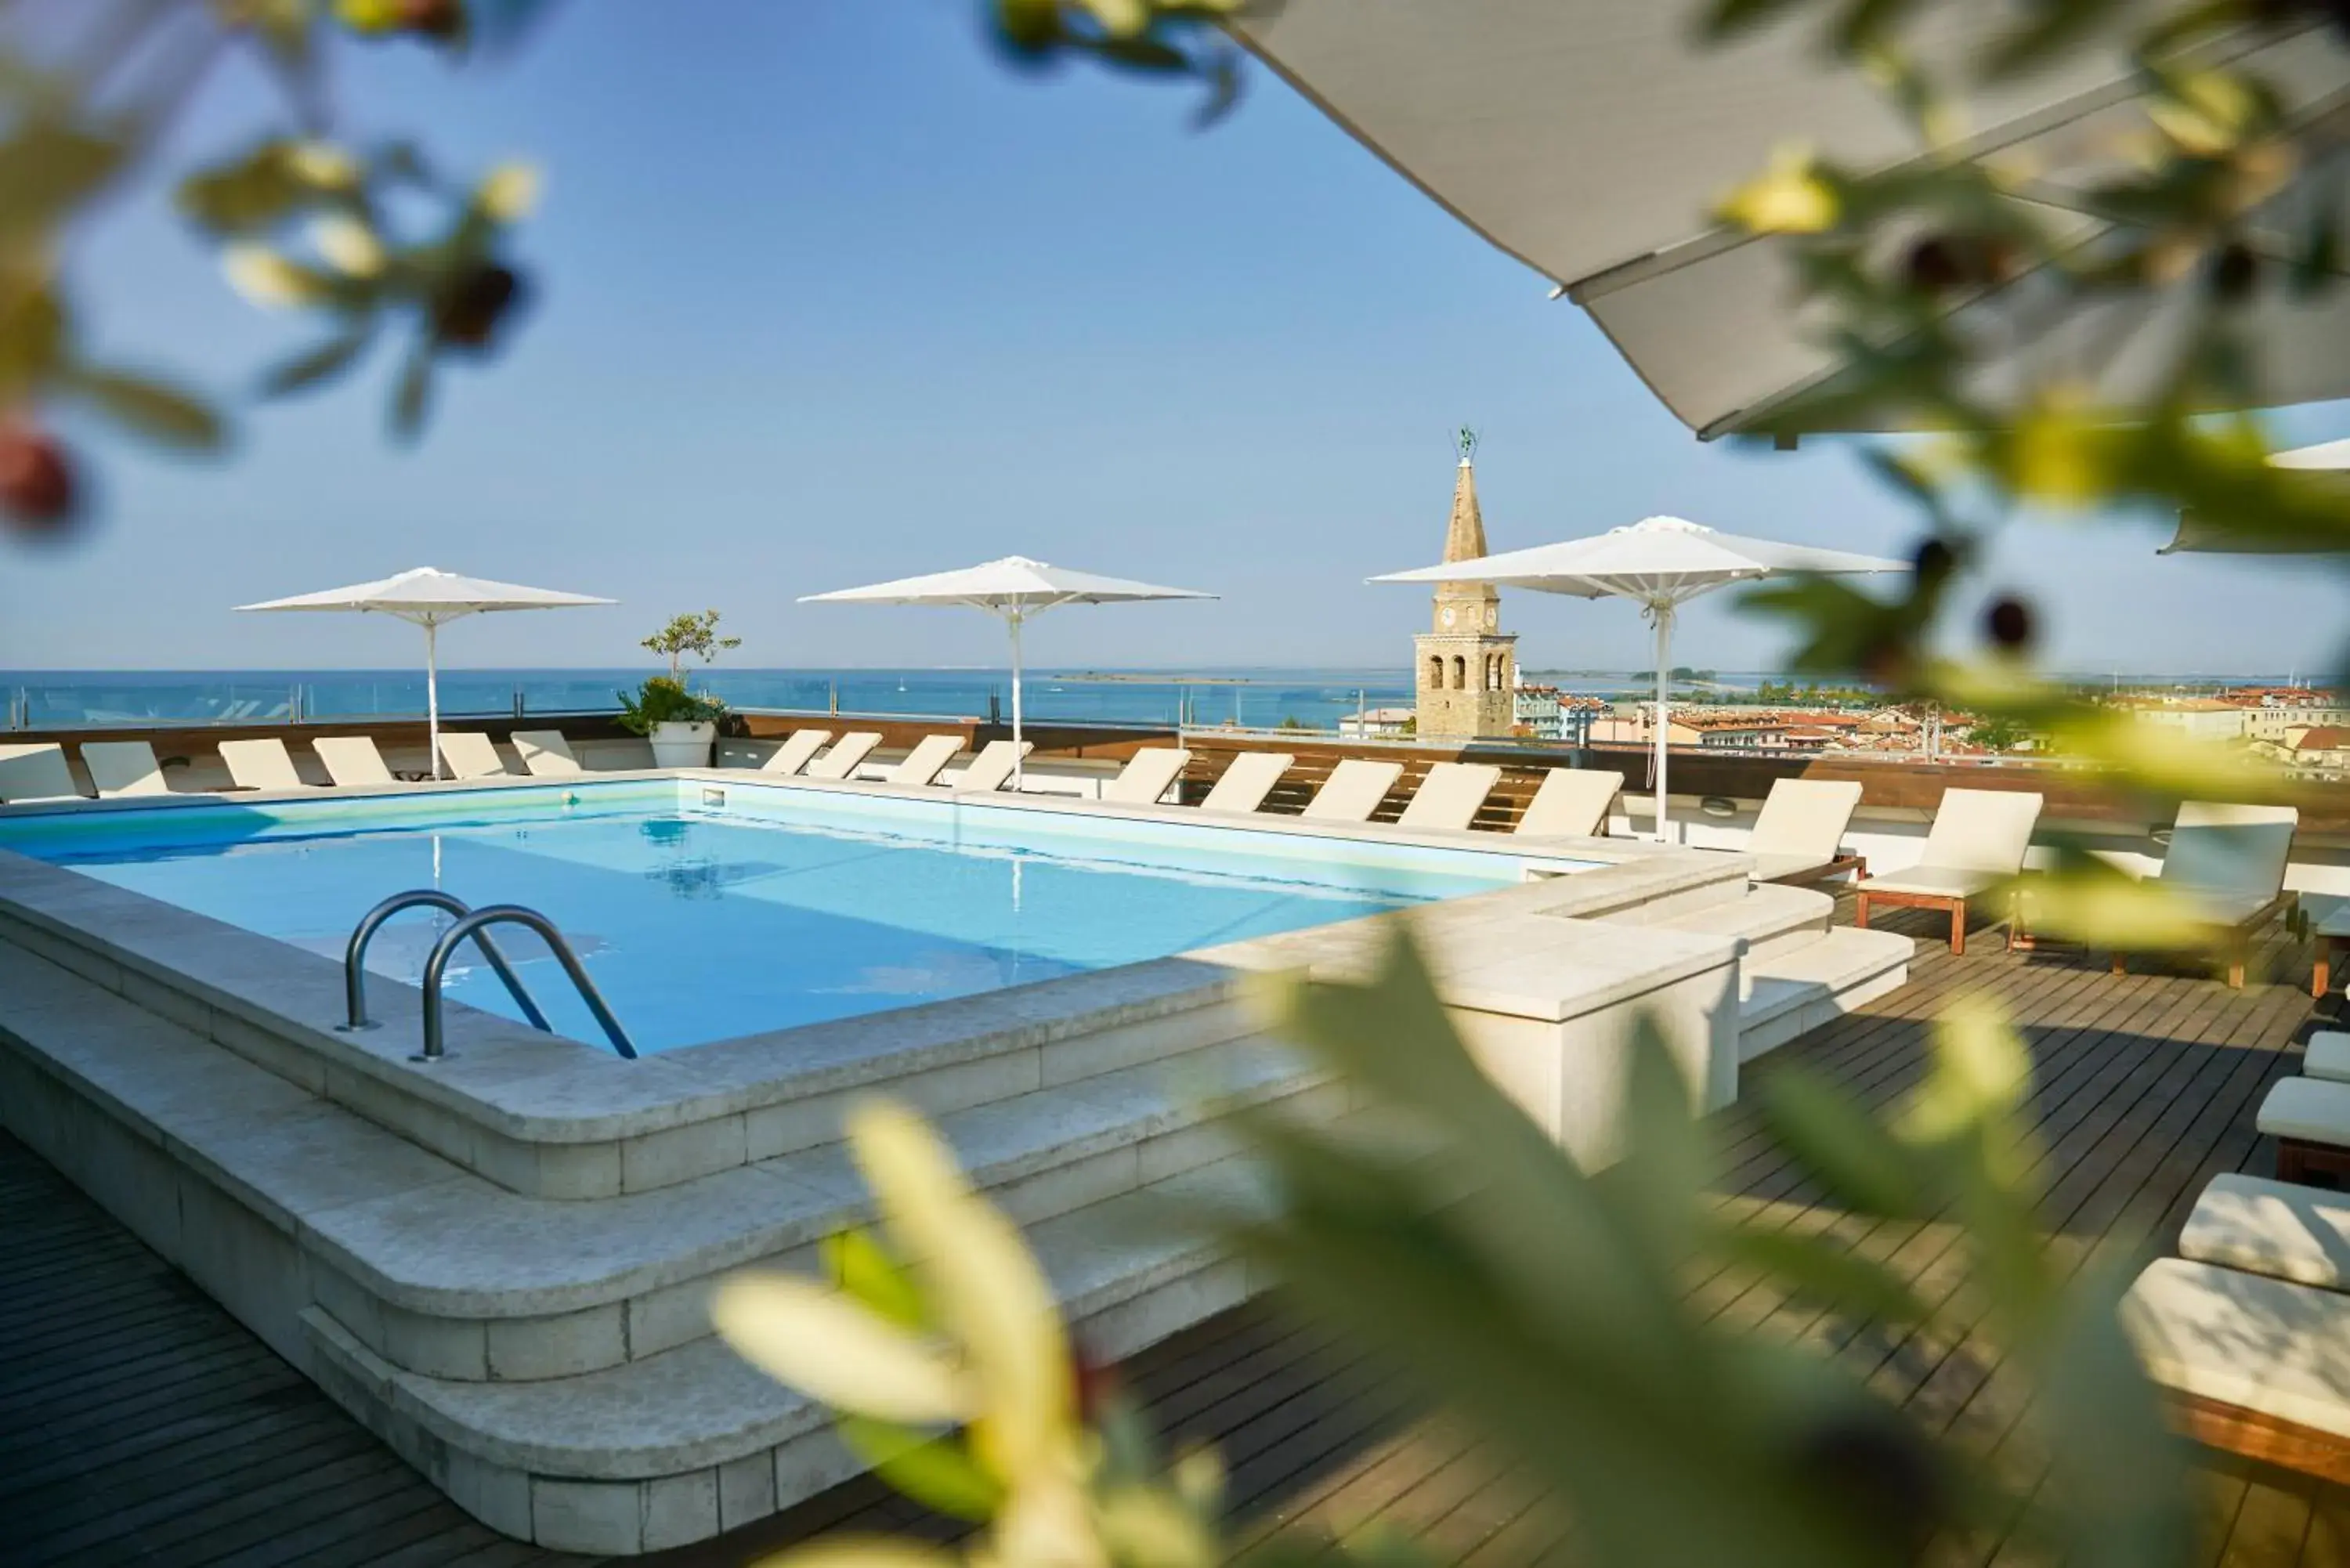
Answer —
(1660, 562)
(1591, 138)
(429, 598)
(2195, 536)
(1014, 588)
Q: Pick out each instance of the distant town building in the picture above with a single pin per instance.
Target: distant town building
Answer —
(2202, 718)
(1377, 723)
(1465, 666)
(2279, 713)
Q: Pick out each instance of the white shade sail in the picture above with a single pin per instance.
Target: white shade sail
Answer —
(1014, 587)
(430, 598)
(1661, 563)
(1591, 138)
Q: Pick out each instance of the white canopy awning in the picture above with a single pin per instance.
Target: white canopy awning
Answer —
(2195, 536)
(1590, 139)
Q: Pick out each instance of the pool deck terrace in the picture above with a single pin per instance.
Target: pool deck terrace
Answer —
(144, 1424)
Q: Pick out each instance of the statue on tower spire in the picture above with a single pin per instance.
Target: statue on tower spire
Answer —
(1468, 446)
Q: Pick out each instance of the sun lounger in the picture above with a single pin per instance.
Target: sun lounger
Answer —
(923, 765)
(471, 754)
(1148, 776)
(2271, 1228)
(1246, 780)
(992, 769)
(31, 772)
(2327, 1057)
(1799, 837)
(264, 763)
(1353, 791)
(846, 753)
(352, 760)
(122, 767)
(545, 753)
(2253, 1366)
(793, 754)
(1978, 840)
(1573, 803)
(1447, 799)
(2226, 864)
(2310, 1119)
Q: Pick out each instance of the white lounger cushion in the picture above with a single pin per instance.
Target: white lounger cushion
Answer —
(2261, 1345)
(1449, 797)
(122, 767)
(29, 773)
(1246, 780)
(2271, 1228)
(352, 760)
(260, 764)
(1801, 824)
(1353, 791)
(793, 755)
(545, 752)
(2309, 1109)
(922, 765)
(2233, 856)
(1573, 803)
(846, 753)
(992, 769)
(1148, 776)
(1938, 881)
(2328, 1056)
(471, 754)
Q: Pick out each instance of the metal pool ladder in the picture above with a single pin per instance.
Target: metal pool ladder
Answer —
(471, 923)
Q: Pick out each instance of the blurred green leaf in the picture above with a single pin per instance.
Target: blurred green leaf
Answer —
(315, 366)
(1853, 1157)
(1823, 1270)
(32, 338)
(860, 1265)
(935, 1471)
(413, 396)
(155, 409)
(48, 167)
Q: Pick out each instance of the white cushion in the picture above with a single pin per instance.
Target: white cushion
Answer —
(1573, 803)
(2309, 1109)
(1941, 881)
(1983, 829)
(2328, 1056)
(1448, 798)
(1246, 780)
(2261, 1345)
(1803, 818)
(2271, 1228)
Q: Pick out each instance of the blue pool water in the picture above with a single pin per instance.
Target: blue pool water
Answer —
(777, 908)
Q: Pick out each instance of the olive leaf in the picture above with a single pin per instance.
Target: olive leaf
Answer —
(316, 366)
(160, 412)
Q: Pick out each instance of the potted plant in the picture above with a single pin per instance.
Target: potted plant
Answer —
(681, 724)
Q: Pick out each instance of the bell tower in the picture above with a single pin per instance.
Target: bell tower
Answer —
(1466, 667)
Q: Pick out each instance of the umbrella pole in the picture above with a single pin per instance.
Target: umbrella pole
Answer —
(1664, 616)
(433, 694)
(1018, 781)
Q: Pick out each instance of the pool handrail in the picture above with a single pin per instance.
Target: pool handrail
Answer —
(355, 958)
(511, 914)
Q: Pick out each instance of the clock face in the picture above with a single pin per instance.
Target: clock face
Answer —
(1449, 615)
(1493, 616)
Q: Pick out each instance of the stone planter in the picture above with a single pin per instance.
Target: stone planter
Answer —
(677, 746)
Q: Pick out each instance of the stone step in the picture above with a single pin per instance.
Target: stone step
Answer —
(1770, 918)
(683, 1444)
(1793, 991)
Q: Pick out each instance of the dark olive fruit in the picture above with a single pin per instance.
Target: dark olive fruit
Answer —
(1878, 1473)
(1941, 263)
(442, 19)
(467, 312)
(36, 479)
(2008, 623)
(1935, 560)
(2235, 271)
(1934, 266)
(1028, 27)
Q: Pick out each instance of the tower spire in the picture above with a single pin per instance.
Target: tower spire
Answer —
(1464, 537)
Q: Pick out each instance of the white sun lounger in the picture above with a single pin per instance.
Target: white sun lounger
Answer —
(1353, 791)
(122, 767)
(2254, 1365)
(2226, 864)
(1246, 780)
(1799, 837)
(1573, 803)
(1148, 776)
(1979, 839)
(2273, 1228)
(264, 763)
(30, 772)
(352, 760)
(545, 753)
(1447, 799)
(786, 760)
(992, 769)
(923, 765)
(841, 762)
(471, 754)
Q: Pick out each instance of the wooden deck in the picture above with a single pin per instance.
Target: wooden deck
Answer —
(139, 1424)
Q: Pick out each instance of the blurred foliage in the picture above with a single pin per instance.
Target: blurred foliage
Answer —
(664, 700)
(1550, 1306)
(2215, 195)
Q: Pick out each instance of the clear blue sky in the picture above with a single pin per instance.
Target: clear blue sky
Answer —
(827, 295)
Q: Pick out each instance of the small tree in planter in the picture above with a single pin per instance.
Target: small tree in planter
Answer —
(681, 723)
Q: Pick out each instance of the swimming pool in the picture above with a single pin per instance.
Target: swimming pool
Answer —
(707, 912)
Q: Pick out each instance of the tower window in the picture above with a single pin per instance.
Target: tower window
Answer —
(1435, 672)
(1460, 673)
